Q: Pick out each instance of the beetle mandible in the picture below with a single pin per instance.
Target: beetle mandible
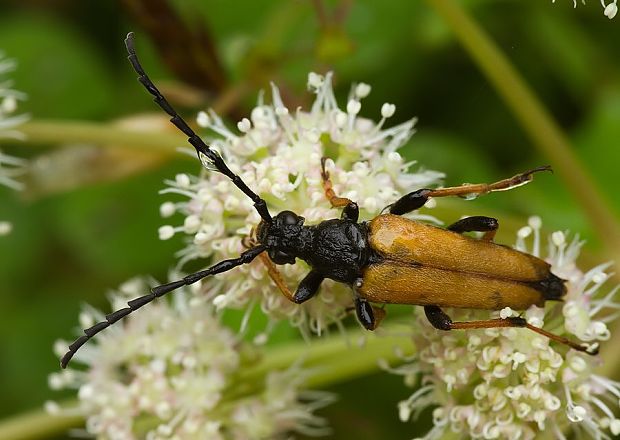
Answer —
(389, 259)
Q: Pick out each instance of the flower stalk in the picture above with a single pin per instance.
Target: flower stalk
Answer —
(37, 424)
(67, 132)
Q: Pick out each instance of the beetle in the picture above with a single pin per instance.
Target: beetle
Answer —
(389, 259)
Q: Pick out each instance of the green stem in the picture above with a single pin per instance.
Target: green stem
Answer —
(37, 424)
(357, 361)
(330, 355)
(64, 132)
(534, 119)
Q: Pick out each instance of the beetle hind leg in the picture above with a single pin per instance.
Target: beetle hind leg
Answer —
(441, 321)
(478, 223)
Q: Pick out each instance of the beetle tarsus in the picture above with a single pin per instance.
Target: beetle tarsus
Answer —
(477, 223)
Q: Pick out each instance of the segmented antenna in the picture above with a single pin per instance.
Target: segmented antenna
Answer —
(156, 292)
(205, 153)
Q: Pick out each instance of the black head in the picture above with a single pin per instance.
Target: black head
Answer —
(283, 237)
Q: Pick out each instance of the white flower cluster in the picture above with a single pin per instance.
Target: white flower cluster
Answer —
(10, 167)
(278, 154)
(609, 9)
(512, 383)
(171, 372)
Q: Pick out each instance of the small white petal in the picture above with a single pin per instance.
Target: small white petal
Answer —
(5, 228)
(576, 413)
(506, 312)
(524, 232)
(166, 232)
(387, 110)
(182, 180)
(165, 430)
(167, 209)
(203, 119)
(52, 407)
(353, 107)
(315, 81)
(611, 10)
(558, 238)
(281, 111)
(341, 119)
(244, 125)
(191, 224)
(404, 411)
(9, 104)
(535, 222)
(362, 90)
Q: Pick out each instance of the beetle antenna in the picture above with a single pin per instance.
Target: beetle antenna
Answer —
(156, 292)
(207, 155)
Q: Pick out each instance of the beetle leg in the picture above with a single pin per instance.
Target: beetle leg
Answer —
(378, 312)
(365, 314)
(276, 276)
(416, 199)
(477, 223)
(351, 210)
(441, 321)
(308, 287)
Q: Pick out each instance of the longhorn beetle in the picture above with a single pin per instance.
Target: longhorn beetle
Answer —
(389, 259)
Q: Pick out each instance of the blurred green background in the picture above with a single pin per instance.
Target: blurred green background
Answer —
(89, 222)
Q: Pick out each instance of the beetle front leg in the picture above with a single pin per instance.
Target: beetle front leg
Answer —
(276, 276)
(477, 223)
(416, 199)
(351, 210)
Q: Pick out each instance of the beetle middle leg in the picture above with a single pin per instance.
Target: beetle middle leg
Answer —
(416, 199)
(478, 223)
(308, 287)
(441, 321)
(351, 210)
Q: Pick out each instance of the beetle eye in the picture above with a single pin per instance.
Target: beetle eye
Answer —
(289, 218)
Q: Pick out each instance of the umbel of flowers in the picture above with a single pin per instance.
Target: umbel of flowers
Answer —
(277, 151)
(172, 371)
(513, 383)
